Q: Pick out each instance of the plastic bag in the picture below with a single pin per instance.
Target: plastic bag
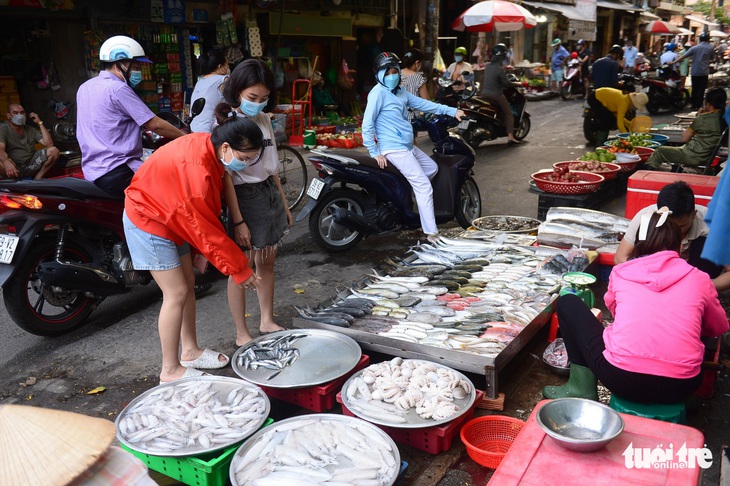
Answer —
(344, 80)
(438, 62)
(556, 354)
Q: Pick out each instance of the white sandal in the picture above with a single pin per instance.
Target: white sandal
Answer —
(207, 361)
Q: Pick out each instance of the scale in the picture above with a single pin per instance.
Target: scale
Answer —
(579, 282)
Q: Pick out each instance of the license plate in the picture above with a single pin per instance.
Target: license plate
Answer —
(464, 124)
(315, 187)
(8, 244)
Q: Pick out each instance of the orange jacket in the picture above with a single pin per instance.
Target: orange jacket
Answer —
(176, 194)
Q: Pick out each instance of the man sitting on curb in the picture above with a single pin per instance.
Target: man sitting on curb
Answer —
(18, 156)
(680, 200)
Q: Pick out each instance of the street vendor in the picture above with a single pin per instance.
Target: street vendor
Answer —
(662, 306)
(611, 106)
(700, 138)
(680, 199)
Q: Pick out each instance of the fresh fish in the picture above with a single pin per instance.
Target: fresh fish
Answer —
(425, 317)
(407, 300)
(394, 287)
(447, 284)
(606, 220)
(563, 236)
(382, 293)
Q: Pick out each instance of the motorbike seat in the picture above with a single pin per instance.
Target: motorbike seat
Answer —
(71, 187)
(363, 159)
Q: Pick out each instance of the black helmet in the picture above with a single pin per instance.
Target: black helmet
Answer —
(616, 49)
(704, 37)
(385, 60)
(499, 50)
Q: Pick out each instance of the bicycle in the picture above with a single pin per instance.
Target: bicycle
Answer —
(292, 174)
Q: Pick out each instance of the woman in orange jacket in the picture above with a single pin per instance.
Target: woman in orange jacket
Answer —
(173, 204)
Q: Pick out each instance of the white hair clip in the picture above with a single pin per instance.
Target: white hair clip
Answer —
(231, 113)
(645, 218)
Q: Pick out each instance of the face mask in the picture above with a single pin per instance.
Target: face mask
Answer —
(391, 81)
(458, 58)
(249, 108)
(135, 78)
(234, 165)
(18, 120)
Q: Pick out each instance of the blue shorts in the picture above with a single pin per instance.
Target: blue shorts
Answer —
(151, 252)
(557, 75)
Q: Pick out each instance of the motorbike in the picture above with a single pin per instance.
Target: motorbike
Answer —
(572, 82)
(62, 251)
(352, 197)
(482, 122)
(665, 90)
(626, 83)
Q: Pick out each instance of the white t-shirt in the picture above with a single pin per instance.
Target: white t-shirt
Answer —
(268, 165)
(668, 56)
(698, 229)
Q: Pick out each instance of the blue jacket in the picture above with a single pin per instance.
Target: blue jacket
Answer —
(716, 247)
(605, 73)
(386, 116)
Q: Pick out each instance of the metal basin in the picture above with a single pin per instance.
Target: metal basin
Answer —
(579, 424)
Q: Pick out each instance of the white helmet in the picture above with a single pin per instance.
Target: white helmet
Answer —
(121, 47)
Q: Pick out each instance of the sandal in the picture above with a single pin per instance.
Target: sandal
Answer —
(207, 361)
(189, 373)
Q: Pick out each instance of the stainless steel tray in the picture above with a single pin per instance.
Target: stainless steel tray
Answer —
(323, 356)
(222, 385)
(479, 223)
(413, 420)
(291, 423)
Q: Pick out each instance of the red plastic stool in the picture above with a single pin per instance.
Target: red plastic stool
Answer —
(554, 323)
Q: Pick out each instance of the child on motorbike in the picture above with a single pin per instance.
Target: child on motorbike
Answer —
(173, 203)
(386, 117)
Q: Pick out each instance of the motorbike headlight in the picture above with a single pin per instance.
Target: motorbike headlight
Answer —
(16, 201)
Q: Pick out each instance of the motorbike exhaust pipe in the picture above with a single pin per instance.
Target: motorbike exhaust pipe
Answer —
(353, 220)
(79, 277)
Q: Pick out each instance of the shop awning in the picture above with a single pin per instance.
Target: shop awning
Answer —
(618, 6)
(567, 11)
(648, 17)
(683, 31)
(711, 25)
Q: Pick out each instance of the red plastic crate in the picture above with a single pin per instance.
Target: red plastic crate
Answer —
(644, 186)
(428, 439)
(319, 398)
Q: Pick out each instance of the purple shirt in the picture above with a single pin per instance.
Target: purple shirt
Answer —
(109, 117)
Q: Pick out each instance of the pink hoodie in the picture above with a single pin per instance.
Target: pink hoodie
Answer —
(661, 306)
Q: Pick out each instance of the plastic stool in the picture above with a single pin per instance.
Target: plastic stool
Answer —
(666, 412)
(554, 324)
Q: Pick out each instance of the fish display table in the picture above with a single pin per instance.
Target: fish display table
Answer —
(534, 458)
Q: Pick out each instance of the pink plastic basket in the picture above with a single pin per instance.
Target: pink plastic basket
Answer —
(590, 183)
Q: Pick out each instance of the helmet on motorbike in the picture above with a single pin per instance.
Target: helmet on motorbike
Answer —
(581, 42)
(574, 55)
(556, 42)
(688, 44)
(121, 47)
(670, 47)
(499, 50)
(704, 37)
(616, 49)
(461, 50)
(385, 60)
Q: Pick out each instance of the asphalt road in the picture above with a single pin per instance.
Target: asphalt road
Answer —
(119, 348)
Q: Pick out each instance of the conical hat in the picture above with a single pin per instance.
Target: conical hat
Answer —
(49, 447)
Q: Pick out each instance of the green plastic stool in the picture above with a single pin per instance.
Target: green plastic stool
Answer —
(667, 412)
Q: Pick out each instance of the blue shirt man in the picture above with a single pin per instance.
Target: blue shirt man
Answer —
(560, 54)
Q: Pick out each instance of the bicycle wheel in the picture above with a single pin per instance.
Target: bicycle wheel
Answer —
(292, 174)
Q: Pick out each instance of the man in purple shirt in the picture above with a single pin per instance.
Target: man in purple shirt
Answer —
(110, 114)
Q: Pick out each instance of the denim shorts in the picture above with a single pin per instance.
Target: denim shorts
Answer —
(151, 252)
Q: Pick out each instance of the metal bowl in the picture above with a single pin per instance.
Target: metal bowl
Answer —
(579, 424)
(558, 370)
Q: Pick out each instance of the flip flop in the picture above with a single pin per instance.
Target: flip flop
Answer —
(207, 361)
(189, 373)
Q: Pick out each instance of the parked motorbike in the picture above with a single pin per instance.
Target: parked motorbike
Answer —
(62, 251)
(353, 197)
(482, 122)
(665, 90)
(572, 82)
(626, 83)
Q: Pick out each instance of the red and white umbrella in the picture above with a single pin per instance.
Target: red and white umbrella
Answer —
(661, 27)
(496, 15)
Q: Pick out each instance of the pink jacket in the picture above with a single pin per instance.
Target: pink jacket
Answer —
(661, 306)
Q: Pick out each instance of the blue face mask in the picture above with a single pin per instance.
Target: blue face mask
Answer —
(391, 81)
(135, 78)
(234, 165)
(249, 108)
(458, 58)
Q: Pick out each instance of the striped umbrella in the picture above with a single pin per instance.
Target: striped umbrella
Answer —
(661, 27)
(496, 15)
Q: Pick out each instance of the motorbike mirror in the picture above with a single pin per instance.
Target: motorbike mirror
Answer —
(468, 91)
(197, 107)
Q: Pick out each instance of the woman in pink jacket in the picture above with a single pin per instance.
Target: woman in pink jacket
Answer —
(652, 353)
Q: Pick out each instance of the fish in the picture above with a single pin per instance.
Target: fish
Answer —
(371, 293)
(606, 220)
(407, 300)
(563, 236)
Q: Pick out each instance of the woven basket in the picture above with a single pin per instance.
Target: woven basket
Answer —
(590, 183)
(641, 124)
(611, 173)
(487, 439)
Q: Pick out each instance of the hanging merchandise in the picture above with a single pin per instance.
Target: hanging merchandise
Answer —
(438, 62)
(344, 78)
(253, 38)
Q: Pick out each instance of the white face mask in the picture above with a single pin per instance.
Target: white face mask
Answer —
(18, 120)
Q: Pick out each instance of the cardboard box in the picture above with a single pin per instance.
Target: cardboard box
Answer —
(644, 187)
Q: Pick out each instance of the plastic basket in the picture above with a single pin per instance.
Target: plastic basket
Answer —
(655, 137)
(611, 173)
(211, 469)
(641, 124)
(590, 183)
(487, 439)
(643, 152)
